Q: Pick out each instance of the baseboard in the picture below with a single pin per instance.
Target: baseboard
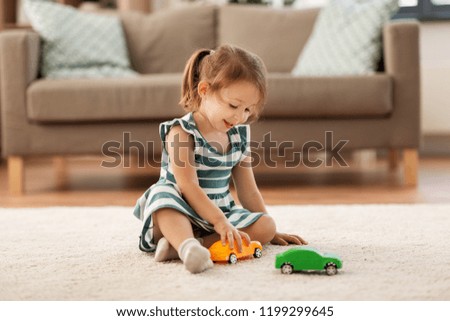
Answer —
(435, 145)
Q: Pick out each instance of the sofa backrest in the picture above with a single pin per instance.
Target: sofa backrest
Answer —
(276, 35)
(162, 42)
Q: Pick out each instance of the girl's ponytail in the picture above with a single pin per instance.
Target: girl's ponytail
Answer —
(220, 68)
(190, 98)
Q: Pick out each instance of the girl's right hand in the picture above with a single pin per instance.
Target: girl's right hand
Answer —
(229, 233)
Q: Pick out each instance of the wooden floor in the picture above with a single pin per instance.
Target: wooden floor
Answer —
(83, 182)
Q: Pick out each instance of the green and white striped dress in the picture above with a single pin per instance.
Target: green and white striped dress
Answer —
(214, 175)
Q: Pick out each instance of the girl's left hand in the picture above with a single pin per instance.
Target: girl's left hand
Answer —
(285, 239)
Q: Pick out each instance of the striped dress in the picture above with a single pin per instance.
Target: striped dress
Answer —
(214, 175)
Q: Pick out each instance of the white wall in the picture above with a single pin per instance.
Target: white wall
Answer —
(435, 77)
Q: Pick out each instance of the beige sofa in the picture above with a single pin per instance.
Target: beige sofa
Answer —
(78, 116)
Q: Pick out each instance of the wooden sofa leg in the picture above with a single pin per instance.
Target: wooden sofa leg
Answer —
(411, 166)
(393, 158)
(16, 175)
(60, 168)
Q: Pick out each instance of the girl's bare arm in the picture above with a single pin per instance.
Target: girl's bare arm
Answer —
(251, 199)
(247, 190)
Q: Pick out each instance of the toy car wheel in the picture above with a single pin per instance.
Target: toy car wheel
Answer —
(258, 253)
(232, 259)
(331, 269)
(287, 268)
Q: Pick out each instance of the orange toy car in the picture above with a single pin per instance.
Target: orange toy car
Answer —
(220, 253)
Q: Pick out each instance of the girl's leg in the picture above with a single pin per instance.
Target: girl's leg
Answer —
(164, 250)
(173, 225)
(263, 230)
(177, 230)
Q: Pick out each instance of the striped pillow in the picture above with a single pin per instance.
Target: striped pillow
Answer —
(78, 44)
(346, 39)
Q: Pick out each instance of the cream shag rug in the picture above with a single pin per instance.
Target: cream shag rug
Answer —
(390, 252)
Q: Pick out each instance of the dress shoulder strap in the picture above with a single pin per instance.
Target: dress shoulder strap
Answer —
(185, 123)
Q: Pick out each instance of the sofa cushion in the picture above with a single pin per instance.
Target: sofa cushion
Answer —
(124, 100)
(128, 99)
(163, 41)
(346, 39)
(78, 44)
(329, 97)
(277, 36)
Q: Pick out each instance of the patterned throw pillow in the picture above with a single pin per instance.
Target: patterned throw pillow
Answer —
(346, 39)
(78, 44)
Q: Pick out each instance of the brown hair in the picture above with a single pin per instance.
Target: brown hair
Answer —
(219, 69)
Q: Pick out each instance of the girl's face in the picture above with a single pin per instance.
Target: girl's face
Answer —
(230, 106)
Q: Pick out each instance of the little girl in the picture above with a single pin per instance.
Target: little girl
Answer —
(191, 207)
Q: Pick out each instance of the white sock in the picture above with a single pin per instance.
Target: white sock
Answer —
(195, 257)
(165, 251)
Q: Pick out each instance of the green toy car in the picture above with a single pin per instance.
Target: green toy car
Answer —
(306, 258)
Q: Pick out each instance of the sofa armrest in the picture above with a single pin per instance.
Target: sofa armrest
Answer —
(19, 61)
(27, 42)
(402, 63)
(401, 47)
